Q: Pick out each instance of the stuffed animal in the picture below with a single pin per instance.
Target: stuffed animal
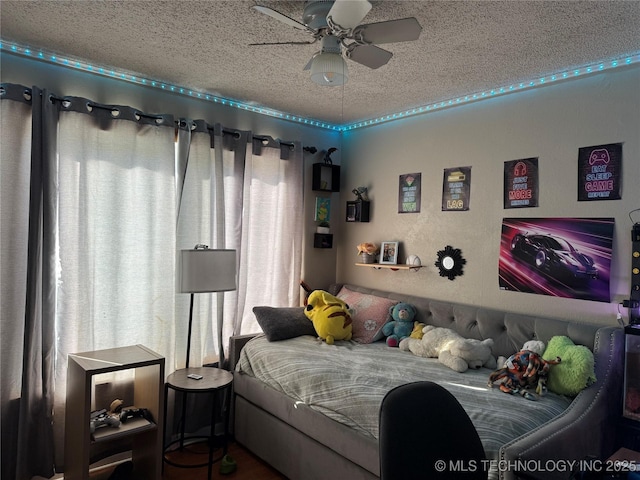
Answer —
(524, 371)
(453, 350)
(401, 325)
(577, 370)
(417, 330)
(536, 346)
(329, 315)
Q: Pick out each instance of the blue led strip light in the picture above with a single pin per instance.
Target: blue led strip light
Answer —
(540, 81)
(64, 60)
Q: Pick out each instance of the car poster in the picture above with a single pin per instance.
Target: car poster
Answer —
(599, 172)
(521, 183)
(561, 257)
(456, 188)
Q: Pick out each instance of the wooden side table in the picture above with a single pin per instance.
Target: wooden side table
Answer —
(214, 380)
(146, 436)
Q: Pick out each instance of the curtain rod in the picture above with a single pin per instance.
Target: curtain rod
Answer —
(227, 131)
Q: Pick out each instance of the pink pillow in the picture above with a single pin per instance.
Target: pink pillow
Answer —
(368, 312)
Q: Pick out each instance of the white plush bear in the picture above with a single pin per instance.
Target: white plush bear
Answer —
(452, 349)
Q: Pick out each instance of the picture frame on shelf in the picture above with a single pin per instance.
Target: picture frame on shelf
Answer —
(389, 253)
(323, 209)
(358, 211)
(352, 212)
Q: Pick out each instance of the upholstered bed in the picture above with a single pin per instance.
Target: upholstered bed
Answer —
(311, 409)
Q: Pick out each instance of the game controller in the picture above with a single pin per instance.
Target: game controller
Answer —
(128, 413)
(101, 418)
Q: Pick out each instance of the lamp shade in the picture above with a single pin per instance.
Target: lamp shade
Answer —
(349, 13)
(329, 69)
(204, 270)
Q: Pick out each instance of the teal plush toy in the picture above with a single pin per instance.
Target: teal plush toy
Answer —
(402, 324)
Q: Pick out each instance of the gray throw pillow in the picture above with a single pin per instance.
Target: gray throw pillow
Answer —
(280, 323)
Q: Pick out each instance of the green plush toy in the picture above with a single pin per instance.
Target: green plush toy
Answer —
(577, 370)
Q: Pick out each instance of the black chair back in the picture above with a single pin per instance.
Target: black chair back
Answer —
(426, 434)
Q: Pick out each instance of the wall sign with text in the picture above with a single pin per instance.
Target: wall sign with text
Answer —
(600, 172)
(521, 183)
(409, 193)
(456, 188)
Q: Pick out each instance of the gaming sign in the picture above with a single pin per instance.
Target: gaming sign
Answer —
(521, 183)
(599, 172)
(456, 189)
(409, 193)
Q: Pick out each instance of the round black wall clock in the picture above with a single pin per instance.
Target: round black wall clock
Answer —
(450, 262)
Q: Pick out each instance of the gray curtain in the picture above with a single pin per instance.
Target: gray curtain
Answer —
(27, 418)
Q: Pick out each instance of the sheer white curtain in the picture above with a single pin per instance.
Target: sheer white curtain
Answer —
(210, 213)
(250, 201)
(271, 259)
(116, 237)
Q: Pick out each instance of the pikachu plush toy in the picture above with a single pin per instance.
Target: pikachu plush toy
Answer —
(329, 315)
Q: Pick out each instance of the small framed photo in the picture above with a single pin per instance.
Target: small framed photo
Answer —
(389, 253)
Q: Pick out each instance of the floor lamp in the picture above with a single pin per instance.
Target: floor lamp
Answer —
(205, 270)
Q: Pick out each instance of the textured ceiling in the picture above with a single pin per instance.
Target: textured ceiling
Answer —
(465, 47)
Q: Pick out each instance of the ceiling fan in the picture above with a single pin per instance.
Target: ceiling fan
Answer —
(337, 25)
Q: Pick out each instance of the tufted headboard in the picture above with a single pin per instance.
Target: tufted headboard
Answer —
(509, 331)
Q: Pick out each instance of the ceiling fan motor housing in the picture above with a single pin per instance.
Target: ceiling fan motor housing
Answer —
(331, 44)
(315, 13)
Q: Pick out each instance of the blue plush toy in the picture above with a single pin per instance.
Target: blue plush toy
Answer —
(402, 324)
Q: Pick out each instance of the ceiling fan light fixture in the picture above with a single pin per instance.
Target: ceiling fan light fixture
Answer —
(329, 69)
(349, 13)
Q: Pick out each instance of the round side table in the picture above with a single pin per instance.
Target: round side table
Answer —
(213, 380)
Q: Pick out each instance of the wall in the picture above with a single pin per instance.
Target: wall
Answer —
(65, 81)
(550, 123)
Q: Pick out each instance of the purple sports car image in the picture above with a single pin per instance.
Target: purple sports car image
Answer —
(553, 255)
(560, 257)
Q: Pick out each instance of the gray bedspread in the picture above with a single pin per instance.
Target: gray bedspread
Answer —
(347, 382)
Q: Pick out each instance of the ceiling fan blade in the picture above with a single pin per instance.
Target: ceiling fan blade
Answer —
(391, 31)
(348, 13)
(283, 43)
(368, 55)
(283, 18)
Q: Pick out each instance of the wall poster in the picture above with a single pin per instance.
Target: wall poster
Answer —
(521, 183)
(323, 209)
(456, 188)
(560, 257)
(409, 193)
(599, 172)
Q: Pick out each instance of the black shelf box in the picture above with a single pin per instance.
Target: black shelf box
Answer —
(358, 211)
(326, 177)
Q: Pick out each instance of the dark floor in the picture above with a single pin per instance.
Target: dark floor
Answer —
(249, 467)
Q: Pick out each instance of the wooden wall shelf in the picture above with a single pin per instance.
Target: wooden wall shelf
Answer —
(399, 266)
